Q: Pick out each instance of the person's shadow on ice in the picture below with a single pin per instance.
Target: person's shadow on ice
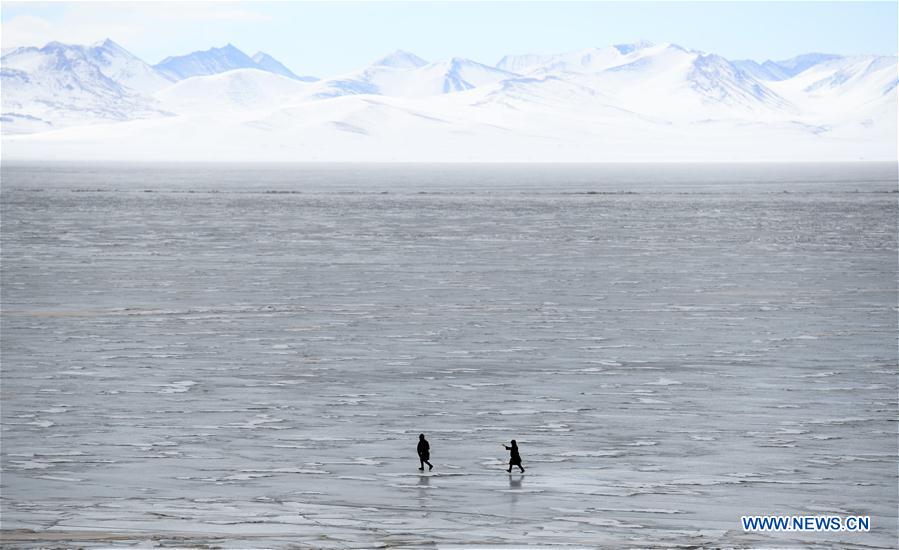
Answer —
(515, 481)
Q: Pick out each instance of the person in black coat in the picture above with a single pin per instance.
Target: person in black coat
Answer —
(424, 453)
(515, 458)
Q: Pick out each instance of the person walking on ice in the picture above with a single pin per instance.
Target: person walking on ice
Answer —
(424, 453)
(515, 458)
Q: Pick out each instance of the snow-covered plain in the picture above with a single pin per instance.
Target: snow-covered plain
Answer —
(638, 101)
(244, 356)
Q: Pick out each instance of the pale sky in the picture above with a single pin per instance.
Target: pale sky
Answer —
(328, 38)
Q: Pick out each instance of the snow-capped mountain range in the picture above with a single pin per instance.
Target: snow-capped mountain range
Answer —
(639, 101)
(220, 60)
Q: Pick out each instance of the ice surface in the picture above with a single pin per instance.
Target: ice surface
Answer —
(245, 357)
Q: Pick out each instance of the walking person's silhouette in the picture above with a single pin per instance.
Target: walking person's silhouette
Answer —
(424, 453)
(514, 458)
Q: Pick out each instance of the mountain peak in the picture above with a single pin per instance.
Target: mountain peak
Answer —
(625, 49)
(228, 49)
(272, 65)
(401, 59)
(55, 45)
(105, 43)
(787, 68)
(110, 46)
(460, 63)
(211, 61)
(799, 63)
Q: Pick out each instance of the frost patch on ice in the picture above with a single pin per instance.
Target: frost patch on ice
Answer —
(664, 382)
(42, 423)
(284, 471)
(29, 464)
(60, 478)
(367, 461)
(260, 421)
(601, 522)
(840, 421)
(594, 454)
(180, 386)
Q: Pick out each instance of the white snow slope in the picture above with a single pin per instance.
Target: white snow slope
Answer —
(628, 102)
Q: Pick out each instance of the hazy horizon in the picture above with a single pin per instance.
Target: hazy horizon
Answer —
(298, 33)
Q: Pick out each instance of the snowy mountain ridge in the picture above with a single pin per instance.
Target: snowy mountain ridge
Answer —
(268, 63)
(60, 85)
(641, 99)
(405, 75)
(219, 60)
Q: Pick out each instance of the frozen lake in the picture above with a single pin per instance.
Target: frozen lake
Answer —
(245, 356)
